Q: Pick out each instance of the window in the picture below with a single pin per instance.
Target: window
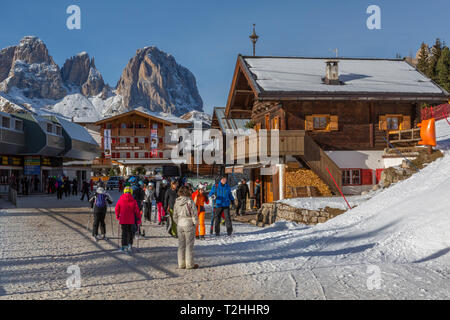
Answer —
(6, 122)
(59, 130)
(123, 140)
(108, 126)
(351, 177)
(18, 125)
(320, 123)
(123, 125)
(393, 122)
(49, 128)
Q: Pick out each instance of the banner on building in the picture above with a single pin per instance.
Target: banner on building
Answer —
(107, 143)
(154, 139)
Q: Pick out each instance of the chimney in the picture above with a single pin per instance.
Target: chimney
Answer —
(332, 73)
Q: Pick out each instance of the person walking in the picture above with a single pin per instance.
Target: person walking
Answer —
(59, 188)
(85, 190)
(74, 187)
(148, 202)
(186, 219)
(169, 203)
(200, 199)
(223, 197)
(242, 193)
(258, 194)
(127, 213)
(160, 193)
(100, 202)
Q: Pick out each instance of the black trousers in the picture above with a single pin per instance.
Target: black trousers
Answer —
(74, 191)
(99, 220)
(59, 193)
(85, 193)
(242, 206)
(218, 219)
(127, 234)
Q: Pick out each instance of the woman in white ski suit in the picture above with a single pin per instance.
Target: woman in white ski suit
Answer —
(185, 216)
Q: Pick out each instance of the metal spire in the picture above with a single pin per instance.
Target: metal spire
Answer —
(254, 38)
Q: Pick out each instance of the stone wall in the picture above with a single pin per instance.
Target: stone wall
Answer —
(272, 212)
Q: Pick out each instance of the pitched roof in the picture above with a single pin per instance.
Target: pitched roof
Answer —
(167, 118)
(225, 123)
(297, 75)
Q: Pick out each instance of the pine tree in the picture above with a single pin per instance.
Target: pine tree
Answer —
(436, 51)
(443, 69)
(422, 64)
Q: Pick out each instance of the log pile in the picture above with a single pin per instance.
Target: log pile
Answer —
(296, 178)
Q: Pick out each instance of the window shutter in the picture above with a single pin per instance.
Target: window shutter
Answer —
(406, 123)
(366, 177)
(383, 123)
(334, 123)
(309, 124)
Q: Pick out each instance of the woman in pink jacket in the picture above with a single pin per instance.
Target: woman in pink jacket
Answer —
(127, 212)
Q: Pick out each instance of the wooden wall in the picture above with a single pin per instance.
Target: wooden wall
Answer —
(358, 121)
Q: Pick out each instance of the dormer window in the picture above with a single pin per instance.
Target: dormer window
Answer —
(49, 128)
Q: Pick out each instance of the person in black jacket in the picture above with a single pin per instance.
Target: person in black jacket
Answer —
(169, 202)
(85, 190)
(242, 193)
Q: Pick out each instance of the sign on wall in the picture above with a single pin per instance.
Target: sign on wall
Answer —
(154, 139)
(32, 166)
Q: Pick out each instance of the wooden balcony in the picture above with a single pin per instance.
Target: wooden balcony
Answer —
(289, 142)
(101, 162)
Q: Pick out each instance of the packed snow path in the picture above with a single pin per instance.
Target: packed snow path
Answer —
(393, 246)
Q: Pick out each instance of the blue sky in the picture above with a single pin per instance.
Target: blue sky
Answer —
(206, 36)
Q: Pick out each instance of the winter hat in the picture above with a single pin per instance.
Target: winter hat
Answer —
(128, 190)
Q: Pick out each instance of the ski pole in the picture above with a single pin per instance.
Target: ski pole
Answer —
(112, 224)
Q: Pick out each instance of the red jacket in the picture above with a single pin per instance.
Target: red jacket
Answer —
(127, 210)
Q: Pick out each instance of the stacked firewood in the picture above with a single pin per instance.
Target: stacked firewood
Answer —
(303, 178)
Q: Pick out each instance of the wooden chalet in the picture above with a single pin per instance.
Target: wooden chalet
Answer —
(332, 114)
(137, 140)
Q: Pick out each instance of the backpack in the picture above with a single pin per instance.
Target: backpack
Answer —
(100, 201)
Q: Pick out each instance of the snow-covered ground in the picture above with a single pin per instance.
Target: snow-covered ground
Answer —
(394, 245)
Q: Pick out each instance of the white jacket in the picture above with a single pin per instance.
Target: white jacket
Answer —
(185, 212)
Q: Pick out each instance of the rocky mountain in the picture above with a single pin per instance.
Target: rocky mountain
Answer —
(31, 69)
(30, 79)
(80, 71)
(153, 79)
(198, 116)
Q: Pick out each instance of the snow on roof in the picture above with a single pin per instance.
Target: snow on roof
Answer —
(75, 131)
(359, 75)
(163, 116)
(233, 124)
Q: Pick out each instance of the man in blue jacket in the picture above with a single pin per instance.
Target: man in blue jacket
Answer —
(222, 196)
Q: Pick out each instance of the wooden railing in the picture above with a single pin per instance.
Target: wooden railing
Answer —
(289, 142)
(404, 136)
(319, 161)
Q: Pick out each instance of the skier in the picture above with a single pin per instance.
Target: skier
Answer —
(169, 203)
(200, 199)
(148, 201)
(100, 202)
(127, 212)
(223, 197)
(186, 219)
(242, 193)
(213, 209)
